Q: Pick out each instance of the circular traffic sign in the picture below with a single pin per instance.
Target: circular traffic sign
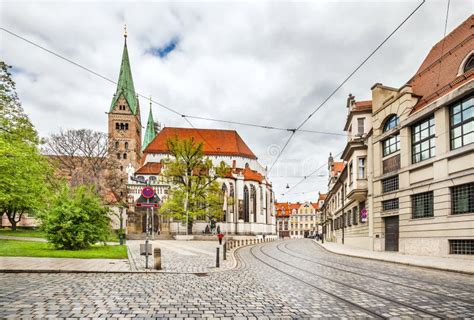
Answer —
(148, 192)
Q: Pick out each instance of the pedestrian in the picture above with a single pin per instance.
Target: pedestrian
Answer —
(220, 236)
(218, 229)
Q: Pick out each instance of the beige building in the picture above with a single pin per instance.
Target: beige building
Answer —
(303, 219)
(419, 185)
(348, 185)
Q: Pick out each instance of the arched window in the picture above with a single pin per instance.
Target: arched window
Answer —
(391, 144)
(469, 63)
(122, 126)
(121, 168)
(117, 126)
(125, 156)
(116, 145)
(126, 126)
(224, 201)
(118, 155)
(246, 205)
(390, 123)
(126, 145)
(230, 203)
(253, 201)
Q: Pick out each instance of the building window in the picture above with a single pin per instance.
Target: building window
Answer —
(125, 156)
(349, 218)
(462, 123)
(462, 198)
(461, 246)
(391, 204)
(390, 184)
(126, 145)
(469, 63)
(391, 145)
(360, 126)
(121, 168)
(422, 205)
(350, 172)
(126, 126)
(361, 168)
(117, 145)
(118, 155)
(354, 216)
(391, 123)
(117, 126)
(423, 140)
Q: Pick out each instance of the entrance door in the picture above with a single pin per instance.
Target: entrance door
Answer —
(391, 233)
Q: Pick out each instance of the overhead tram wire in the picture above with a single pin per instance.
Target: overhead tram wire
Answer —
(309, 175)
(97, 74)
(348, 78)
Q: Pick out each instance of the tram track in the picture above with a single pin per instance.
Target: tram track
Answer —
(368, 311)
(394, 275)
(285, 245)
(420, 310)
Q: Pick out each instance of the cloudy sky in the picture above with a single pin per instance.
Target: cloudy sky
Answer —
(268, 63)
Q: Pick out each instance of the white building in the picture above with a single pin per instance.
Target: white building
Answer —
(251, 210)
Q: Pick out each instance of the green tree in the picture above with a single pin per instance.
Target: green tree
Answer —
(195, 192)
(76, 218)
(24, 171)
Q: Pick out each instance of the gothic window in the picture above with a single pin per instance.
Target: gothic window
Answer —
(122, 126)
(117, 126)
(126, 126)
(126, 145)
(253, 200)
(116, 144)
(246, 204)
(230, 206)
(125, 156)
(224, 201)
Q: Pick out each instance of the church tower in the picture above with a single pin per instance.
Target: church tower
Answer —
(125, 127)
(152, 129)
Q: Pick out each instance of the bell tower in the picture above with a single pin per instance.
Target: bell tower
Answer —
(124, 123)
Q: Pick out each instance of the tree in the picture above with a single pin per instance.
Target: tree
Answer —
(75, 219)
(24, 171)
(83, 157)
(194, 189)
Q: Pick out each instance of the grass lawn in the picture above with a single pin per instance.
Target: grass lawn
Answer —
(31, 233)
(27, 233)
(14, 248)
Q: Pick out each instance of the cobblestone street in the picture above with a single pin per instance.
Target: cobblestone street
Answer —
(280, 280)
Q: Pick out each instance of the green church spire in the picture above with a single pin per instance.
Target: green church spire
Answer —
(125, 83)
(150, 132)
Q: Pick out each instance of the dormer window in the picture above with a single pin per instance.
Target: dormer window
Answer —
(469, 63)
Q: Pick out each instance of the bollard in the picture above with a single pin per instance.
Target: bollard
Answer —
(217, 257)
(157, 254)
(225, 250)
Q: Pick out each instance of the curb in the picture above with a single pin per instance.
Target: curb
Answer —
(395, 262)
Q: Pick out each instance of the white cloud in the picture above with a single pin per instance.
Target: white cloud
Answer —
(267, 63)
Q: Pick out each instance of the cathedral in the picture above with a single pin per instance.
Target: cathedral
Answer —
(248, 207)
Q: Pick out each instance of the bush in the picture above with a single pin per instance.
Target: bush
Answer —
(76, 219)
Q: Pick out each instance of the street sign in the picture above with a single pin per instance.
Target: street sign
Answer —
(148, 192)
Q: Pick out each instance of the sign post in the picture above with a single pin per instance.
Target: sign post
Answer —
(147, 193)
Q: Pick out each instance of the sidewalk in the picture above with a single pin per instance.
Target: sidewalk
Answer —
(441, 263)
(181, 256)
(28, 264)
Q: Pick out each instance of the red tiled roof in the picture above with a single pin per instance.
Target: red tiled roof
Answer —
(337, 167)
(248, 173)
(315, 205)
(438, 74)
(322, 196)
(215, 142)
(150, 168)
(363, 105)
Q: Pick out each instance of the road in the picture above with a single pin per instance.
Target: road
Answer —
(277, 280)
